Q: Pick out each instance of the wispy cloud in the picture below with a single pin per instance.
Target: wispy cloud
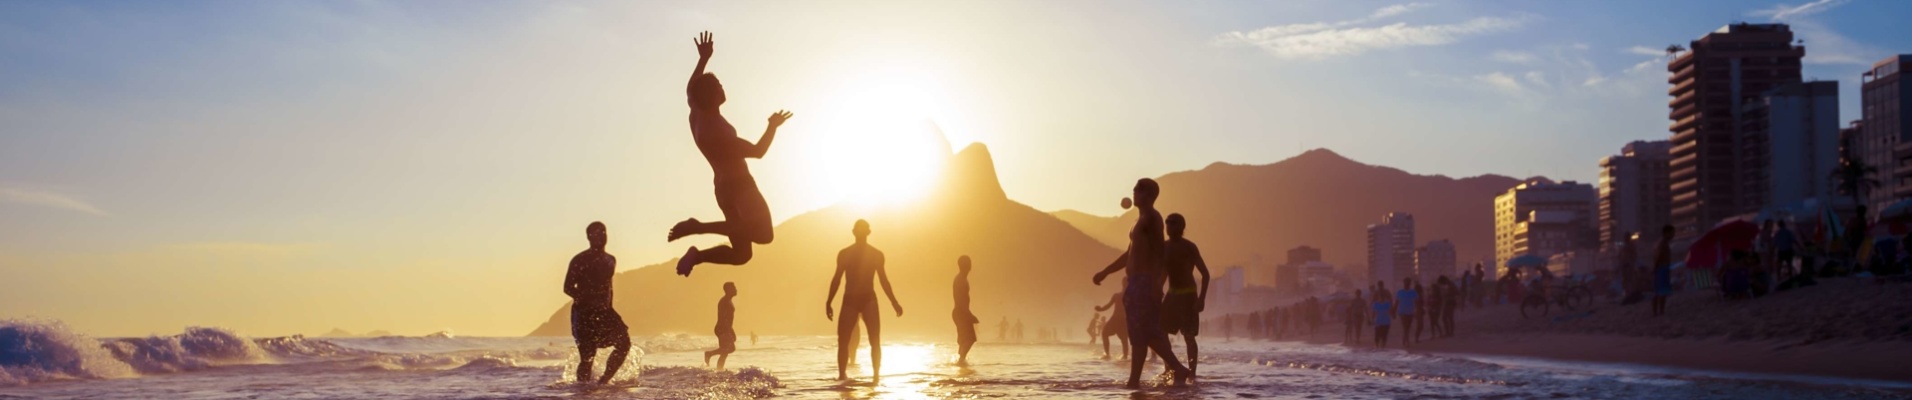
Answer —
(1397, 9)
(1826, 45)
(1646, 51)
(1784, 12)
(1321, 40)
(1514, 57)
(47, 199)
(1503, 83)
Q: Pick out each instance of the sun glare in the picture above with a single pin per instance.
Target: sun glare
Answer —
(882, 147)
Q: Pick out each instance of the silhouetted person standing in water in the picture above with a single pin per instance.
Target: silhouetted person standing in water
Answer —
(1117, 325)
(863, 265)
(746, 215)
(594, 323)
(1182, 309)
(726, 336)
(1143, 293)
(965, 320)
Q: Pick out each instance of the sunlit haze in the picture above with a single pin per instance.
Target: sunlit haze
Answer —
(414, 167)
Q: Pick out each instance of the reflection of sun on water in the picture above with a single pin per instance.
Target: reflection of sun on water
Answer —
(899, 362)
(880, 146)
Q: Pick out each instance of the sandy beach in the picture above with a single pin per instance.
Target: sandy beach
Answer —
(1845, 328)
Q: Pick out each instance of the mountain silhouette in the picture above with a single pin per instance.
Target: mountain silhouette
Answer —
(1241, 213)
(1027, 265)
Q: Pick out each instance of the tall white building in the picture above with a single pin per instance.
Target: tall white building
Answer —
(1434, 260)
(1391, 248)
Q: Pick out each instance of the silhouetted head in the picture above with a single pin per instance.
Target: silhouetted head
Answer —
(1176, 225)
(861, 230)
(1145, 192)
(962, 264)
(1407, 283)
(1381, 284)
(1666, 232)
(706, 92)
(730, 288)
(595, 233)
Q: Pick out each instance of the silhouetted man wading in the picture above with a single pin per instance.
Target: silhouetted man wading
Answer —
(965, 320)
(1182, 309)
(593, 322)
(863, 265)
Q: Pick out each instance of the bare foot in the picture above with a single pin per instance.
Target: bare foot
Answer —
(687, 262)
(682, 229)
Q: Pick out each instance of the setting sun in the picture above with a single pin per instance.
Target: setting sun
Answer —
(880, 141)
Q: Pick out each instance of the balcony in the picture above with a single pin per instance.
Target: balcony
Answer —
(1682, 86)
(1682, 74)
(1689, 109)
(1684, 99)
(1682, 61)
(1683, 123)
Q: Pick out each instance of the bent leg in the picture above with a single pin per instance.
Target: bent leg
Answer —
(617, 360)
(736, 253)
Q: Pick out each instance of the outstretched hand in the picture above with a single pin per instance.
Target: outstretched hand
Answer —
(777, 118)
(704, 45)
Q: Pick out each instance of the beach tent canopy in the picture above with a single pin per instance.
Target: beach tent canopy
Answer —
(1712, 248)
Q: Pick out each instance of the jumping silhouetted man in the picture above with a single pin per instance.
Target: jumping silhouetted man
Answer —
(1143, 293)
(863, 265)
(746, 215)
(1182, 309)
(594, 323)
(965, 320)
(726, 336)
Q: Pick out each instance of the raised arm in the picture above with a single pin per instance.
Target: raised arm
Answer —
(1121, 261)
(704, 48)
(769, 135)
(836, 279)
(883, 276)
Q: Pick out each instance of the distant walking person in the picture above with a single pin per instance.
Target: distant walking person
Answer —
(1405, 302)
(1143, 294)
(1382, 309)
(1117, 325)
(746, 215)
(1662, 270)
(1182, 309)
(594, 323)
(726, 336)
(965, 320)
(1002, 330)
(1352, 316)
(1095, 322)
(862, 265)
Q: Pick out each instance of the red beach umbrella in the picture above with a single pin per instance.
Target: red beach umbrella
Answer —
(1712, 248)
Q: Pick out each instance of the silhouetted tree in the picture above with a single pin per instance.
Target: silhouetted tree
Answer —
(1855, 178)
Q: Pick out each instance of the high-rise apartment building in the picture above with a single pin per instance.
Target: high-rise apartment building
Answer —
(1711, 81)
(1790, 146)
(1391, 248)
(1633, 193)
(1883, 108)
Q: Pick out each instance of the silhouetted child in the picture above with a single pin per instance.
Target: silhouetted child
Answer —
(746, 215)
(1116, 325)
(726, 337)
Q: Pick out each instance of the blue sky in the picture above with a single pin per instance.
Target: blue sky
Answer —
(328, 156)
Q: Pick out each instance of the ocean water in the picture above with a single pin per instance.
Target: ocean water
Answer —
(43, 360)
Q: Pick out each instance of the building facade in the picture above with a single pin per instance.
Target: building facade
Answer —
(1435, 260)
(1391, 248)
(1791, 146)
(1711, 81)
(1539, 216)
(1634, 196)
(1881, 106)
